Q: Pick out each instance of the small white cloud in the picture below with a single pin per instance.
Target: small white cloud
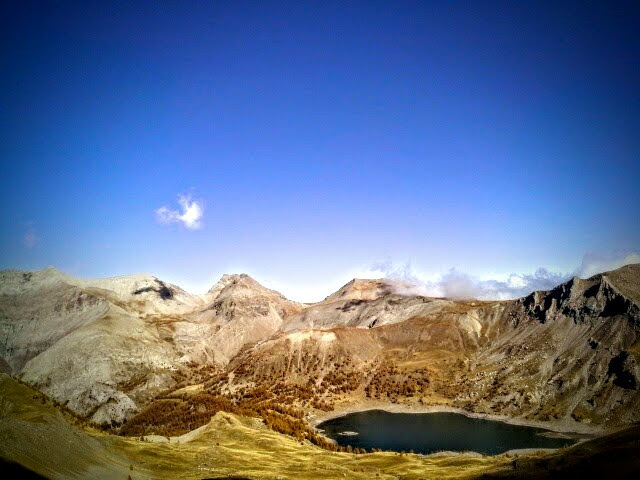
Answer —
(30, 238)
(190, 215)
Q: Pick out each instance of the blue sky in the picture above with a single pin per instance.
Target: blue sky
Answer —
(319, 140)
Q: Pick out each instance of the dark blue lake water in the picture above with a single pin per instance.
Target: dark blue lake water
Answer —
(433, 432)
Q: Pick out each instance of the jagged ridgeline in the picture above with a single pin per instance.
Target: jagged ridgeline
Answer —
(141, 356)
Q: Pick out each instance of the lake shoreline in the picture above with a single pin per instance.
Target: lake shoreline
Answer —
(443, 431)
(566, 427)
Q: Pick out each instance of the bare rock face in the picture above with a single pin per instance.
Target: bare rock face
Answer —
(582, 300)
(239, 311)
(567, 353)
(90, 368)
(37, 309)
(105, 347)
(82, 341)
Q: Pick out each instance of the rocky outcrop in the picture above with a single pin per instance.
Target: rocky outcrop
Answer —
(581, 300)
(624, 371)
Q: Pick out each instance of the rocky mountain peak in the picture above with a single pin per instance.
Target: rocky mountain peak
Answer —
(224, 281)
(362, 289)
(17, 281)
(626, 280)
(241, 286)
(599, 296)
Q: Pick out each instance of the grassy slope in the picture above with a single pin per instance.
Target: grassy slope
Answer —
(43, 439)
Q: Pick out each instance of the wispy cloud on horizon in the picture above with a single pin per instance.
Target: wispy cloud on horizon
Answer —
(190, 213)
(457, 284)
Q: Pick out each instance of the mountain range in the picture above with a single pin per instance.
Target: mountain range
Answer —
(109, 349)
